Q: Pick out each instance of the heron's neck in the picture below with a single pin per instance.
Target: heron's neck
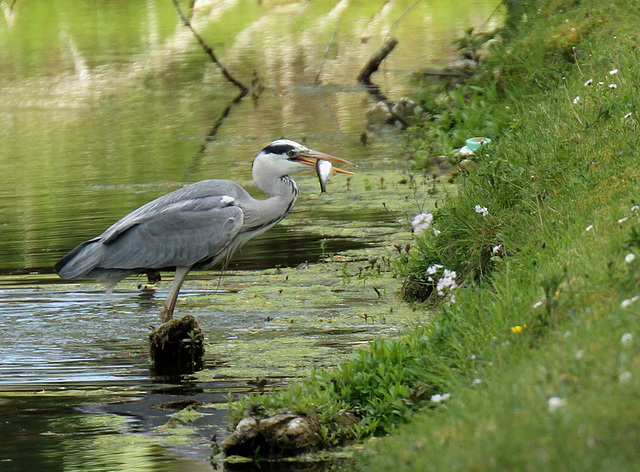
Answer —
(283, 186)
(263, 214)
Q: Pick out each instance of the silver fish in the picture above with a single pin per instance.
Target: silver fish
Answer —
(324, 169)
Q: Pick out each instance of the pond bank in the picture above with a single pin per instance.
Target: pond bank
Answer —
(536, 364)
(541, 343)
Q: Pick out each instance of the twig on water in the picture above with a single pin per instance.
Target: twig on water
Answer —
(243, 90)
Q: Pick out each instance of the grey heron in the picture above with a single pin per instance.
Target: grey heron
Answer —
(196, 226)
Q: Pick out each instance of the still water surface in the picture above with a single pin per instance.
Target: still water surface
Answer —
(107, 105)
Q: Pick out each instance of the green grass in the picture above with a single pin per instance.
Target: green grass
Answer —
(546, 318)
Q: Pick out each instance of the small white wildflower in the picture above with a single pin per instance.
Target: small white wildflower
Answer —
(625, 377)
(626, 339)
(476, 382)
(447, 282)
(438, 398)
(452, 298)
(421, 222)
(589, 228)
(629, 301)
(588, 82)
(496, 249)
(555, 403)
(450, 273)
(613, 71)
(537, 304)
(628, 115)
(600, 84)
(613, 86)
(436, 231)
(431, 270)
(579, 354)
(482, 210)
(473, 357)
(622, 220)
(635, 208)
(576, 100)
(629, 258)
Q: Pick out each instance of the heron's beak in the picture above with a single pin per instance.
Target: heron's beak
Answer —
(306, 159)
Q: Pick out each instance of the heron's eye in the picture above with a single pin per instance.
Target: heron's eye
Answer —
(291, 153)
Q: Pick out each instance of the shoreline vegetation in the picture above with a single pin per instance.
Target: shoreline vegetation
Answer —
(532, 360)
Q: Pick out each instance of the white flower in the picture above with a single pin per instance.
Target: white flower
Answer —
(625, 377)
(629, 258)
(626, 339)
(450, 273)
(431, 270)
(440, 398)
(476, 382)
(613, 71)
(576, 100)
(436, 231)
(579, 354)
(589, 228)
(482, 210)
(496, 249)
(555, 403)
(447, 282)
(537, 304)
(622, 220)
(613, 86)
(635, 208)
(588, 82)
(421, 222)
(628, 301)
(628, 115)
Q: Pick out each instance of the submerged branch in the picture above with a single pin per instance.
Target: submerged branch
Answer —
(243, 90)
(370, 67)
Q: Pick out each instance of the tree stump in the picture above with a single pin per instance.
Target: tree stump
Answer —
(177, 346)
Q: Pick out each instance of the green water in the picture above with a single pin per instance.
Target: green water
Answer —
(105, 105)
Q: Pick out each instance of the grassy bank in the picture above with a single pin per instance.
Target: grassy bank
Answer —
(533, 361)
(543, 339)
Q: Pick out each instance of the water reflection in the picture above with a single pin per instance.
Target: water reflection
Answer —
(94, 125)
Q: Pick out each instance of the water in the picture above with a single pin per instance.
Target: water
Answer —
(104, 106)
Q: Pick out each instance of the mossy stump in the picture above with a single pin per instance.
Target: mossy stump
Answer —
(177, 346)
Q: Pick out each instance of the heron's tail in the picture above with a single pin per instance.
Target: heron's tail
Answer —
(81, 260)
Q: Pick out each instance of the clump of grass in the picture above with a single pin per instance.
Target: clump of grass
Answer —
(369, 394)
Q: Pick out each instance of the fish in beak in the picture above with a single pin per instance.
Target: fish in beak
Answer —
(323, 165)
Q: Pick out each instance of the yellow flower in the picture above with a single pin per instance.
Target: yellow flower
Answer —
(518, 329)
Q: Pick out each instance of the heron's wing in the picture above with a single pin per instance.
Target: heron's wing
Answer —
(206, 191)
(182, 232)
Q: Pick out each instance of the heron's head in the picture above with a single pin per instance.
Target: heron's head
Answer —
(283, 157)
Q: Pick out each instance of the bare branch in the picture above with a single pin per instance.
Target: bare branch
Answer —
(243, 90)
(370, 67)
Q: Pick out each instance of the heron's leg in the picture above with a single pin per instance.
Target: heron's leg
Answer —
(167, 311)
